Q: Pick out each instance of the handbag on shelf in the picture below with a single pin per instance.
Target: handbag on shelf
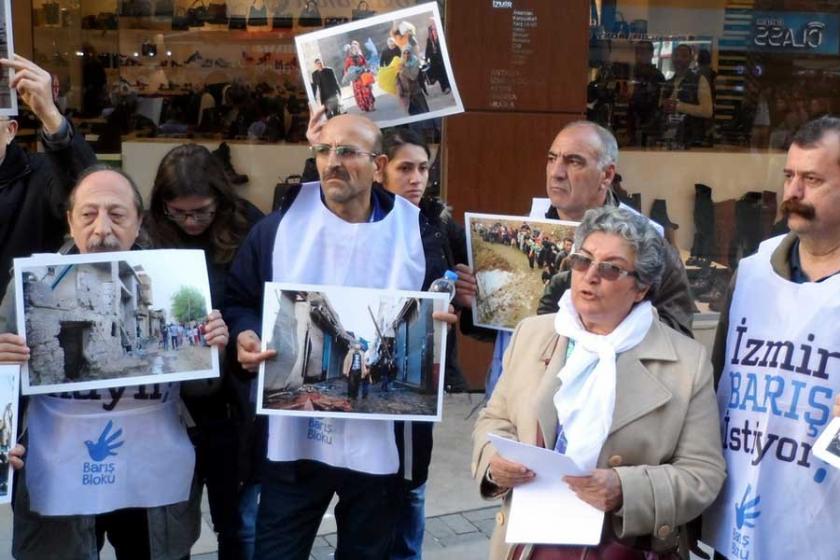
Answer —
(164, 8)
(258, 17)
(237, 23)
(282, 21)
(89, 22)
(217, 13)
(196, 14)
(362, 13)
(52, 13)
(332, 21)
(136, 8)
(107, 20)
(310, 17)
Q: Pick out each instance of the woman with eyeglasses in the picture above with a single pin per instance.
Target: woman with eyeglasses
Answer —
(193, 206)
(627, 398)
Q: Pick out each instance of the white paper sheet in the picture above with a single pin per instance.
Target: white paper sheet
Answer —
(545, 510)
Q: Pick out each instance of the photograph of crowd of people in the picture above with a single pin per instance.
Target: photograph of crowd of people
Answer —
(99, 321)
(8, 95)
(393, 68)
(352, 352)
(9, 383)
(513, 259)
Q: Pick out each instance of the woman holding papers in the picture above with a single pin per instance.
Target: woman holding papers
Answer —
(622, 395)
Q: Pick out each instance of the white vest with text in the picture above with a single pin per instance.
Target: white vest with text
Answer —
(779, 380)
(314, 246)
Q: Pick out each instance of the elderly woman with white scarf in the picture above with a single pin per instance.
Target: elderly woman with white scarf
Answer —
(604, 382)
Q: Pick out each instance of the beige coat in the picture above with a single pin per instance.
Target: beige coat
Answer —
(665, 437)
(348, 362)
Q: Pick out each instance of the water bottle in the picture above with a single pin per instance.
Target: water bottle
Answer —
(445, 284)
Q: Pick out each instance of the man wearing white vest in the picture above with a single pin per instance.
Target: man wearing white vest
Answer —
(341, 231)
(777, 362)
(70, 497)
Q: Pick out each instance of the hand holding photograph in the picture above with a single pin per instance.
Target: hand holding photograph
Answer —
(513, 258)
(113, 319)
(352, 353)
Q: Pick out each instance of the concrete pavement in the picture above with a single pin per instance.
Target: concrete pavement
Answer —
(459, 522)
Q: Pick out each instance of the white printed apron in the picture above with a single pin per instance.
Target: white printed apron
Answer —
(314, 246)
(780, 377)
(84, 460)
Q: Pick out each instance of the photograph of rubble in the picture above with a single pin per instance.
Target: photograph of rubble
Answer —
(9, 390)
(113, 319)
(513, 258)
(8, 95)
(352, 353)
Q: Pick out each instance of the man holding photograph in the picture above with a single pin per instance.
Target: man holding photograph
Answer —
(34, 187)
(776, 363)
(332, 232)
(115, 462)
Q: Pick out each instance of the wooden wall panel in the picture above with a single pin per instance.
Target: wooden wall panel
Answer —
(494, 154)
(495, 53)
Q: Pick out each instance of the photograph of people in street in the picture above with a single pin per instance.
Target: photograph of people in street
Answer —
(349, 352)
(8, 94)
(99, 321)
(513, 259)
(392, 68)
(9, 391)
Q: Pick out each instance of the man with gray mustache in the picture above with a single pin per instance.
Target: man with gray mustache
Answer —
(777, 366)
(104, 212)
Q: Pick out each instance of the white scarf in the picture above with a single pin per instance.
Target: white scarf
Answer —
(585, 401)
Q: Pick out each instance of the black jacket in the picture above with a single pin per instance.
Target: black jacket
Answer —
(33, 193)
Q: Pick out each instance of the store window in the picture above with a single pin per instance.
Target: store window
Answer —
(140, 77)
(704, 97)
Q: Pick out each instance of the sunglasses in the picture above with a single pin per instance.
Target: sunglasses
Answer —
(608, 271)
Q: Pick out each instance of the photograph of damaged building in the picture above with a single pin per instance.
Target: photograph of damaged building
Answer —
(352, 352)
(93, 325)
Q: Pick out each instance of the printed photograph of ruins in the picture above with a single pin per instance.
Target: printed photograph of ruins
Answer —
(105, 323)
(352, 352)
(8, 426)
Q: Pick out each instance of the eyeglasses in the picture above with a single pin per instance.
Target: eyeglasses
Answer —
(344, 153)
(608, 271)
(199, 216)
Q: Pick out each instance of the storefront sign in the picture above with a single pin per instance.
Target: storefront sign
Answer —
(796, 32)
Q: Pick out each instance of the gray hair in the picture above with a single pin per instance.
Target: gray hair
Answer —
(636, 230)
(608, 154)
(96, 168)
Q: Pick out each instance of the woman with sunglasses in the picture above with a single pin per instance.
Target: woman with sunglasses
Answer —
(194, 207)
(607, 384)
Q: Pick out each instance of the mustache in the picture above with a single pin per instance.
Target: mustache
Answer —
(336, 173)
(794, 206)
(104, 245)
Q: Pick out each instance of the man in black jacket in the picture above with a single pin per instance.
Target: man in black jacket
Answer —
(304, 470)
(325, 84)
(579, 172)
(34, 187)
